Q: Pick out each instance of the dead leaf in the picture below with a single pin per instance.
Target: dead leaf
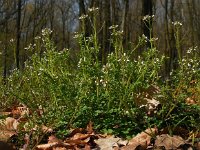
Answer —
(5, 113)
(21, 111)
(46, 129)
(132, 147)
(87, 147)
(144, 137)
(107, 143)
(11, 123)
(5, 146)
(90, 128)
(169, 142)
(184, 133)
(142, 140)
(50, 146)
(5, 135)
(80, 136)
(122, 142)
(198, 145)
(190, 101)
(77, 130)
(59, 148)
(75, 142)
(53, 139)
(27, 141)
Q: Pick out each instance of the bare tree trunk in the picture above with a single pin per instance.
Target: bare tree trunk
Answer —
(125, 25)
(82, 11)
(18, 33)
(52, 3)
(63, 28)
(5, 52)
(167, 46)
(107, 19)
(147, 9)
(173, 50)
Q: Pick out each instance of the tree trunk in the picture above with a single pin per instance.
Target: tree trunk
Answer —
(52, 3)
(82, 11)
(147, 10)
(107, 19)
(125, 25)
(18, 33)
(167, 46)
(5, 52)
(173, 50)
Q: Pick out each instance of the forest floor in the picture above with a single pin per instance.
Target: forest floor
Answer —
(15, 119)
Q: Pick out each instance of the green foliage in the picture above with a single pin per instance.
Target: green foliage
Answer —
(72, 93)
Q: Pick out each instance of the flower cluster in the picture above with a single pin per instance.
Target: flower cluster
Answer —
(46, 32)
(37, 37)
(190, 50)
(177, 23)
(147, 17)
(101, 82)
(93, 9)
(82, 17)
(12, 40)
(30, 47)
(124, 58)
(113, 27)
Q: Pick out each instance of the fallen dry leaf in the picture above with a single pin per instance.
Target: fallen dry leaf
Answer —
(144, 137)
(5, 113)
(87, 147)
(169, 142)
(80, 136)
(184, 133)
(27, 141)
(141, 140)
(77, 130)
(122, 142)
(59, 148)
(90, 128)
(75, 142)
(46, 129)
(190, 101)
(11, 123)
(132, 147)
(107, 143)
(5, 146)
(19, 111)
(50, 146)
(198, 145)
(8, 128)
(53, 139)
(5, 135)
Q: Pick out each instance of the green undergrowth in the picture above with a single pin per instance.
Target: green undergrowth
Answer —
(71, 91)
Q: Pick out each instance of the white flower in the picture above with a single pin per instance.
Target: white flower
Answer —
(46, 31)
(113, 27)
(145, 38)
(12, 40)
(189, 50)
(37, 37)
(154, 39)
(177, 23)
(83, 17)
(93, 9)
(189, 65)
(147, 17)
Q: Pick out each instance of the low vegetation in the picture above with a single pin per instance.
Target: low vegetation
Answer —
(64, 91)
